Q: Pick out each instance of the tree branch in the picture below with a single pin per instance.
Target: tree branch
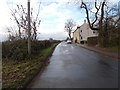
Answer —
(83, 5)
(96, 14)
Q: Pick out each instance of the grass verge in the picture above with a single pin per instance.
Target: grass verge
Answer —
(17, 74)
(114, 49)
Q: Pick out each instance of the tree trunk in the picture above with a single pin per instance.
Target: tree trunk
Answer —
(102, 40)
(19, 32)
(70, 35)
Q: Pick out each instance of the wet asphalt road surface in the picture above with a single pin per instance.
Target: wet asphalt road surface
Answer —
(75, 67)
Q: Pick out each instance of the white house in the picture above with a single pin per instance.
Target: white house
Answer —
(83, 32)
(76, 35)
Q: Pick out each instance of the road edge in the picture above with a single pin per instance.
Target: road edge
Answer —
(27, 86)
(103, 54)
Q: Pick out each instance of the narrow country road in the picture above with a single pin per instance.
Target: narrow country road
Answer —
(75, 67)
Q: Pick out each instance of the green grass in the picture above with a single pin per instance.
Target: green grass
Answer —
(114, 49)
(16, 74)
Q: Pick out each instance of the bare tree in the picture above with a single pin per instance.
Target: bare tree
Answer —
(98, 15)
(69, 25)
(112, 24)
(99, 9)
(101, 19)
(12, 34)
(20, 16)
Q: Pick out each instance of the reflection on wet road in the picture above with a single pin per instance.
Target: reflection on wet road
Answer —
(75, 67)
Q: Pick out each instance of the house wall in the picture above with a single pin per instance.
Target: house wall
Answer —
(83, 32)
(86, 32)
(76, 36)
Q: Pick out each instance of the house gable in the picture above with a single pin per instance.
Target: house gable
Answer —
(83, 32)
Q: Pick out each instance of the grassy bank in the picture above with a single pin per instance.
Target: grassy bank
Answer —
(114, 49)
(17, 74)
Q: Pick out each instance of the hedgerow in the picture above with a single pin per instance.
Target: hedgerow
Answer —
(17, 50)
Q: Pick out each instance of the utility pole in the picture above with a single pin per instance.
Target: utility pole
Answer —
(119, 13)
(29, 29)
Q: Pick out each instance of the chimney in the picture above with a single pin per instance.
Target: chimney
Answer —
(78, 26)
(84, 21)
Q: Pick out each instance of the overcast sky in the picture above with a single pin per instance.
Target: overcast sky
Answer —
(53, 15)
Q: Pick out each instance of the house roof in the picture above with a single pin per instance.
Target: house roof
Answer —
(77, 28)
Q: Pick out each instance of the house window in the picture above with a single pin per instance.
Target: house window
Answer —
(94, 32)
(81, 37)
